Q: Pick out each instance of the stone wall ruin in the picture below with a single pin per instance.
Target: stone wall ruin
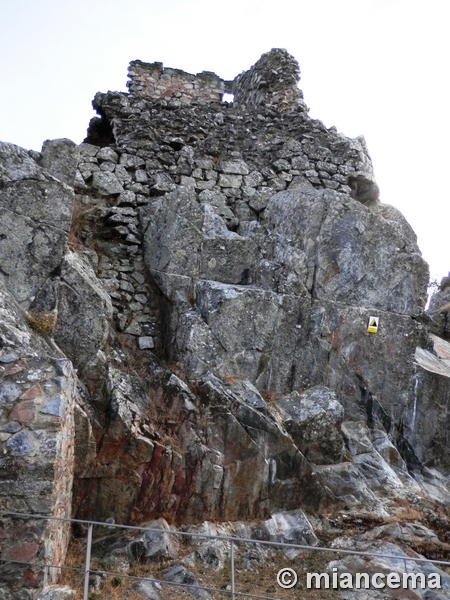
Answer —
(209, 271)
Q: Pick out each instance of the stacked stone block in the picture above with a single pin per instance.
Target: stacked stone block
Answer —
(37, 397)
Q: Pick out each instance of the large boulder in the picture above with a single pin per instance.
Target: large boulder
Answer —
(185, 238)
(60, 158)
(313, 420)
(35, 216)
(84, 311)
(339, 235)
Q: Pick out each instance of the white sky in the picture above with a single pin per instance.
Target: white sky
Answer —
(372, 67)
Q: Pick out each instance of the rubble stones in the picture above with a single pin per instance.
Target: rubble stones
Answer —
(399, 562)
(153, 545)
(180, 574)
(237, 167)
(56, 592)
(149, 589)
(146, 343)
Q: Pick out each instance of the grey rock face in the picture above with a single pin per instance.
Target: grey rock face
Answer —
(84, 311)
(214, 252)
(225, 262)
(376, 471)
(357, 437)
(35, 216)
(313, 419)
(341, 236)
(346, 483)
(60, 158)
(17, 164)
(321, 305)
(428, 422)
(248, 438)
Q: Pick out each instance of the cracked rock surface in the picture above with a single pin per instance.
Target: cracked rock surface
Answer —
(210, 269)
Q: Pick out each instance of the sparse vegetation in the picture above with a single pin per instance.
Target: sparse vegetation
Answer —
(43, 322)
(259, 577)
(79, 215)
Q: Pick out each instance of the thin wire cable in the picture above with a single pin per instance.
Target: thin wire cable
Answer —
(80, 570)
(229, 538)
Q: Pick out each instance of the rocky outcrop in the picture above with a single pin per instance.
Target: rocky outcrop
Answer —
(211, 269)
(35, 215)
(37, 382)
(397, 543)
(84, 311)
(266, 252)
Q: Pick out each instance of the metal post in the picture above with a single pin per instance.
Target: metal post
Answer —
(232, 570)
(88, 562)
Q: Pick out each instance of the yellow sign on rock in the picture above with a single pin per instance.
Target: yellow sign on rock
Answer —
(372, 326)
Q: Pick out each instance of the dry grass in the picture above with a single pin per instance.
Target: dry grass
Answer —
(79, 217)
(258, 578)
(408, 513)
(43, 322)
(137, 362)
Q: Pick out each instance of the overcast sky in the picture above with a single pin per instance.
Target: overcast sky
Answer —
(372, 67)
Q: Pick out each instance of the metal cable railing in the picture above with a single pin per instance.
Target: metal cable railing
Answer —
(232, 540)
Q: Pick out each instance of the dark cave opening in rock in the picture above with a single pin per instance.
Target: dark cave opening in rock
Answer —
(100, 132)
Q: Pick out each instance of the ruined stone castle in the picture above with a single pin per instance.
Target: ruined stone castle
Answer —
(184, 310)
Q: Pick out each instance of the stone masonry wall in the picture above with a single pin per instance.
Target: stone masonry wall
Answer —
(155, 81)
(272, 81)
(37, 396)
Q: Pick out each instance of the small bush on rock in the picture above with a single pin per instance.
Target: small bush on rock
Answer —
(41, 322)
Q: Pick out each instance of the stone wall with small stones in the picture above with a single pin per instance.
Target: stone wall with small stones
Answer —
(112, 186)
(37, 398)
(271, 81)
(154, 81)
